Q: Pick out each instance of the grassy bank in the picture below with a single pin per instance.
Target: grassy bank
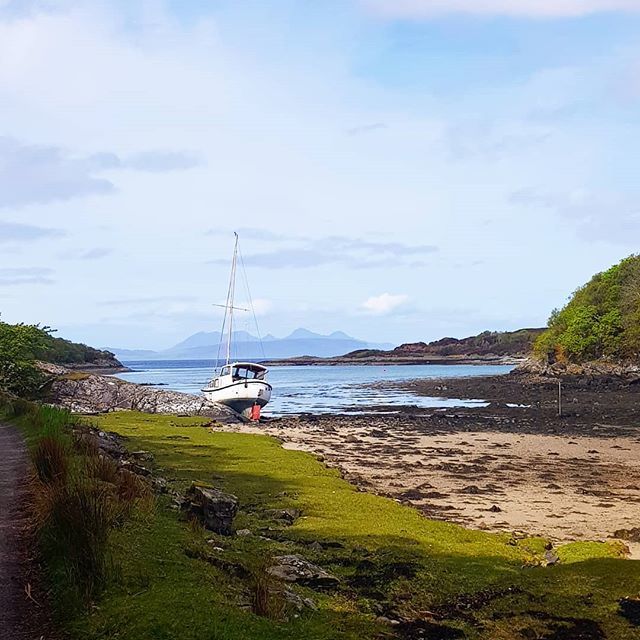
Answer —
(165, 578)
(389, 559)
(77, 500)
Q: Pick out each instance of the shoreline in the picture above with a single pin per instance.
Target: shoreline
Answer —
(389, 362)
(498, 468)
(511, 466)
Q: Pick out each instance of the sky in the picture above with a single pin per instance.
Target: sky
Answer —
(400, 170)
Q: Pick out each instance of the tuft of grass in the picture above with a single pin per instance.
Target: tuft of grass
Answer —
(133, 491)
(267, 593)
(50, 459)
(85, 444)
(102, 469)
(74, 524)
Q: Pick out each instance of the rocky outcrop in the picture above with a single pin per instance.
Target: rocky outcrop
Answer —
(91, 393)
(594, 369)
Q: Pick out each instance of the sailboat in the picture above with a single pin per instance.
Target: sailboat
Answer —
(239, 385)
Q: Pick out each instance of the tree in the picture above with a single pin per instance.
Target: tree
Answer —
(19, 347)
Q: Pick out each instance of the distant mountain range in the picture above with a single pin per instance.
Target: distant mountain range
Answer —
(204, 346)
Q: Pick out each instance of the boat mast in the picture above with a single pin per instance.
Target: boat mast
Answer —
(232, 293)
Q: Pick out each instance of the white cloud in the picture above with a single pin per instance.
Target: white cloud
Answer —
(384, 303)
(262, 306)
(417, 9)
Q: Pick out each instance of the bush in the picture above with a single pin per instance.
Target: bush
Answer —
(19, 345)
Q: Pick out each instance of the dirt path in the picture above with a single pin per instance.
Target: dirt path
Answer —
(17, 612)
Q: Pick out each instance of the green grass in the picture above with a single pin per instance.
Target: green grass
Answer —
(489, 585)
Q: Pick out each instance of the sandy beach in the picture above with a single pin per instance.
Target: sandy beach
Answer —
(500, 468)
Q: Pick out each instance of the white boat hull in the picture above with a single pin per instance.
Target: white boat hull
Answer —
(240, 395)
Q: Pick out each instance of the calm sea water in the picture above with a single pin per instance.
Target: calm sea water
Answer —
(318, 389)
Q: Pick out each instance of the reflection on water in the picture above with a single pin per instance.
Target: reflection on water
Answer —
(319, 389)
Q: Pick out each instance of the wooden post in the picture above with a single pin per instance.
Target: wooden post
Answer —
(560, 397)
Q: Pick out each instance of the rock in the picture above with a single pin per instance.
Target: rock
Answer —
(182, 503)
(630, 609)
(160, 485)
(109, 444)
(215, 509)
(316, 546)
(92, 393)
(136, 468)
(297, 601)
(294, 568)
(243, 532)
(287, 515)
(145, 456)
(551, 557)
(495, 509)
(472, 489)
(631, 535)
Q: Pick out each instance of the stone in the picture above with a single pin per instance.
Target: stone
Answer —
(145, 456)
(297, 601)
(630, 609)
(215, 509)
(551, 557)
(472, 489)
(160, 485)
(316, 546)
(495, 509)
(287, 515)
(109, 444)
(243, 532)
(136, 468)
(294, 568)
(631, 535)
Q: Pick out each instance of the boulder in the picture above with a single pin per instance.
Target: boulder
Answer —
(214, 508)
(294, 568)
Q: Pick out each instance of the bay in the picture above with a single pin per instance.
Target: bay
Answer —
(320, 388)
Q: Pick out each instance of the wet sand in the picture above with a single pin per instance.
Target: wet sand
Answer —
(498, 468)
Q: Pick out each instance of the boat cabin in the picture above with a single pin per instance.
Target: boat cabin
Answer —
(239, 371)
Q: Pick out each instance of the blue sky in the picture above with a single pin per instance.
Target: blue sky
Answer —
(400, 170)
